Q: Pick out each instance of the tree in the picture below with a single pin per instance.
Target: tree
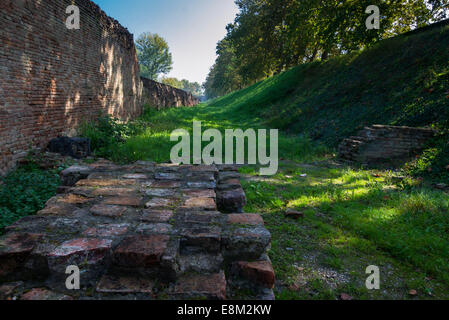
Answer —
(154, 55)
(192, 87)
(270, 36)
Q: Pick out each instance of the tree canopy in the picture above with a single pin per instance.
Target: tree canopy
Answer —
(192, 87)
(270, 36)
(154, 55)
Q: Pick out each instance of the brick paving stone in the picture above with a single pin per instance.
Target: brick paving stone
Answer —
(208, 217)
(156, 203)
(107, 230)
(231, 184)
(82, 191)
(172, 176)
(201, 286)
(246, 243)
(139, 176)
(166, 184)
(125, 284)
(204, 237)
(80, 252)
(259, 272)
(204, 168)
(112, 192)
(201, 184)
(110, 211)
(157, 216)
(15, 249)
(104, 176)
(200, 176)
(245, 219)
(74, 199)
(154, 228)
(141, 251)
(231, 201)
(105, 183)
(160, 192)
(200, 204)
(124, 201)
(200, 263)
(198, 193)
(58, 209)
(44, 294)
(224, 177)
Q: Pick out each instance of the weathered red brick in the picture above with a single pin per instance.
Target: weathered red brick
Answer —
(259, 272)
(125, 284)
(124, 201)
(107, 230)
(79, 251)
(15, 248)
(141, 251)
(200, 204)
(245, 219)
(201, 286)
(108, 210)
(231, 200)
(44, 294)
(156, 203)
(156, 215)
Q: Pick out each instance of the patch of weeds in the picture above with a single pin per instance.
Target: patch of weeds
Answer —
(24, 192)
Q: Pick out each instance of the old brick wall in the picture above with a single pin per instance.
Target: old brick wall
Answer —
(162, 96)
(52, 78)
(384, 145)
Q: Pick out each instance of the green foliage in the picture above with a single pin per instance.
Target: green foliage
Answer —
(270, 36)
(433, 163)
(192, 87)
(24, 192)
(107, 133)
(154, 55)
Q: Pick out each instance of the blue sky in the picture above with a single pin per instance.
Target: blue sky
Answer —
(192, 28)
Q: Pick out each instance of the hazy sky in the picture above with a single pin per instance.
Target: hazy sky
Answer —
(192, 28)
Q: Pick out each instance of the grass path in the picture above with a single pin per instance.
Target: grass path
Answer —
(353, 218)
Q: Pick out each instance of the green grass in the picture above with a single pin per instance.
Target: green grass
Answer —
(353, 218)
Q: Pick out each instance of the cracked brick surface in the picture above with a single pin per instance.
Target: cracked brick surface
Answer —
(140, 231)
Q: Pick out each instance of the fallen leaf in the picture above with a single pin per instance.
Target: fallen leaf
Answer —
(346, 297)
